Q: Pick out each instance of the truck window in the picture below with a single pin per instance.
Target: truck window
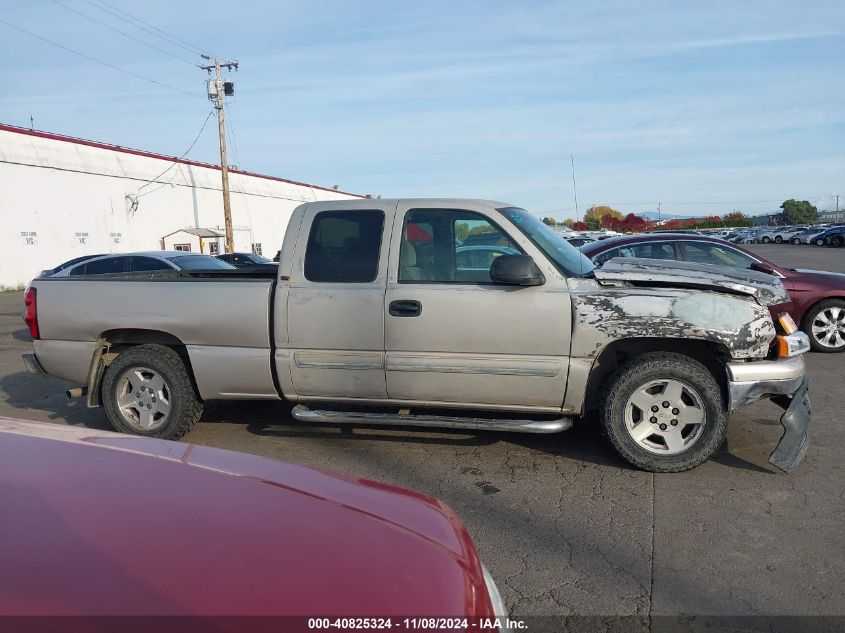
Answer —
(343, 246)
(566, 258)
(445, 246)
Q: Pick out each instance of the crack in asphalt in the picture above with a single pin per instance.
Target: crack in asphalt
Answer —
(651, 555)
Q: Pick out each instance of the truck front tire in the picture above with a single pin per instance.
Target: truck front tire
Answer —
(147, 391)
(664, 413)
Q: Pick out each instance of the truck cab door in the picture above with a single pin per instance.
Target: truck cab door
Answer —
(452, 336)
(329, 324)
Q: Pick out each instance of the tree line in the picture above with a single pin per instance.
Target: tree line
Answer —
(604, 217)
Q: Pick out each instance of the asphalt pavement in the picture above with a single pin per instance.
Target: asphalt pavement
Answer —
(564, 525)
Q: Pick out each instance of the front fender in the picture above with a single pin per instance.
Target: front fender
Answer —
(602, 315)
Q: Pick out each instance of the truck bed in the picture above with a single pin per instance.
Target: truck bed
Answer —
(221, 317)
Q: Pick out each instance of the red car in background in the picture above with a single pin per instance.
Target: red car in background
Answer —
(100, 523)
(818, 297)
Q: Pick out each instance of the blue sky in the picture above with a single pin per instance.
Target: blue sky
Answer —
(703, 106)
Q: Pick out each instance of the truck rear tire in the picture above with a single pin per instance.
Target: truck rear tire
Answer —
(664, 413)
(147, 391)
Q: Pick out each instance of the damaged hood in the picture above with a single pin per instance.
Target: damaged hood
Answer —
(766, 289)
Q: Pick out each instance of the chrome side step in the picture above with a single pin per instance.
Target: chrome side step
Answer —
(304, 414)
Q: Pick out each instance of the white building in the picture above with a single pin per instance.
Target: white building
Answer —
(62, 197)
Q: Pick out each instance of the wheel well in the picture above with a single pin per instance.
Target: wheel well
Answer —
(615, 354)
(119, 340)
(136, 336)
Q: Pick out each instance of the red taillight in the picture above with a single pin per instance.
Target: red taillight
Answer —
(30, 317)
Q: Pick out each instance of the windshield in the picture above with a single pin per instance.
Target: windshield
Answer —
(259, 259)
(566, 258)
(199, 262)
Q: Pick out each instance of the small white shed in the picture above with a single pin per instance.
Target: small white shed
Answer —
(199, 240)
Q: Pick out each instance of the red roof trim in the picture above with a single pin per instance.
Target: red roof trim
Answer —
(172, 159)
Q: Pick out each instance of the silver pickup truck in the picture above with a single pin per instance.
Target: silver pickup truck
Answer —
(456, 313)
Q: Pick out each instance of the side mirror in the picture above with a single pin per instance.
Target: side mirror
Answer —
(762, 268)
(516, 270)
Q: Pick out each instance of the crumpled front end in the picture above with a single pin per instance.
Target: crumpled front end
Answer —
(784, 381)
(730, 314)
(604, 314)
(766, 289)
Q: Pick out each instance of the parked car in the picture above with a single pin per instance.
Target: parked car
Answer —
(739, 237)
(749, 236)
(479, 257)
(807, 235)
(147, 261)
(108, 524)
(370, 320)
(817, 298)
(246, 260)
(778, 235)
(834, 236)
(578, 242)
(68, 264)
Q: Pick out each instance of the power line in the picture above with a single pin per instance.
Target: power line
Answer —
(99, 61)
(175, 162)
(152, 29)
(231, 132)
(116, 30)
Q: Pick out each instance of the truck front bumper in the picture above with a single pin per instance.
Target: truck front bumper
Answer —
(784, 381)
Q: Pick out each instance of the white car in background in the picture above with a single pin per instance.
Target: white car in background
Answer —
(146, 261)
(806, 236)
(779, 234)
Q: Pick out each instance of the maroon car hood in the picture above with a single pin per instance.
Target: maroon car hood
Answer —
(107, 524)
(837, 280)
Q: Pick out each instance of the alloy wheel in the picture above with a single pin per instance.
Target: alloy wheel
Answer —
(828, 327)
(665, 416)
(143, 398)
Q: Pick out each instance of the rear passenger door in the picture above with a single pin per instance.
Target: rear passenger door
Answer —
(335, 303)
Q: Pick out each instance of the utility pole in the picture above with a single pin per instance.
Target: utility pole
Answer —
(837, 203)
(658, 212)
(219, 92)
(574, 188)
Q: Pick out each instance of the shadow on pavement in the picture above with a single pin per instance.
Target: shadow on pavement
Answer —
(726, 458)
(583, 442)
(27, 393)
(22, 335)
